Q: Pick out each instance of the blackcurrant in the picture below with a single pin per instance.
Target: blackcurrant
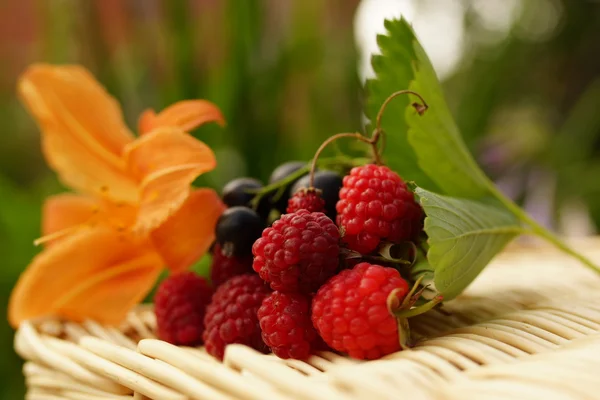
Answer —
(281, 172)
(237, 229)
(329, 183)
(235, 193)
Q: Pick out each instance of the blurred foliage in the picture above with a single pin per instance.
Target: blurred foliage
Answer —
(284, 73)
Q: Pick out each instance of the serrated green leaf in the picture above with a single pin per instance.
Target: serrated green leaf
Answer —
(425, 148)
(464, 235)
(394, 72)
(436, 139)
(470, 221)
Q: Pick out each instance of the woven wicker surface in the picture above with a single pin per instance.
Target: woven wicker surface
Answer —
(528, 328)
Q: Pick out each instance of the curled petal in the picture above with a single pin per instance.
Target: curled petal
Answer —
(186, 115)
(83, 133)
(95, 273)
(188, 233)
(165, 161)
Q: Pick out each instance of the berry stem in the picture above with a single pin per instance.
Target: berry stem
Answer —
(330, 140)
(408, 297)
(423, 308)
(421, 108)
(378, 132)
(385, 259)
(324, 162)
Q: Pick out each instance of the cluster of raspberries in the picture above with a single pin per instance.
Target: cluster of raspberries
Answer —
(283, 286)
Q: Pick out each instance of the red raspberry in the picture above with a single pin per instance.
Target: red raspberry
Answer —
(306, 199)
(298, 253)
(350, 311)
(375, 204)
(286, 325)
(231, 315)
(223, 267)
(180, 304)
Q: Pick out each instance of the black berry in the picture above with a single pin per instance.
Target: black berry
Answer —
(235, 193)
(281, 172)
(329, 183)
(237, 229)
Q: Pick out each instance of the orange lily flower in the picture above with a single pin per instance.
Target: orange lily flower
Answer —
(135, 212)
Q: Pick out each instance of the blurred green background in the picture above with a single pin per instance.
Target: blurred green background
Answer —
(521, 76)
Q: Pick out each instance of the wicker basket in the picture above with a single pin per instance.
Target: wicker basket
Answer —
(528, 328)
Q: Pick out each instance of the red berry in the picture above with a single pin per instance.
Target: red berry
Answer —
(231, 315)
(286, 325)
(350, 311)
(298, 253)
(223, 267)
(375, 204)
(306, 199)
(180, 304)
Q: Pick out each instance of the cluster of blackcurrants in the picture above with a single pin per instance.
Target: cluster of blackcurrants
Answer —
(241, 224)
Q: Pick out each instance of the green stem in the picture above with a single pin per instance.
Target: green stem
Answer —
(423, 308)
(540, 231)
(323, 163)
(392, 260)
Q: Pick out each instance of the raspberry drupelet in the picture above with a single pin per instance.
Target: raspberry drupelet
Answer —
(298, 253)
(307, 199)
(223, 267)
(231, 315)
(180, 305)
(375, 204)
(350, 311)
(287, 327)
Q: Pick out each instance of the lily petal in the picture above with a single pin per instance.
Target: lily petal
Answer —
(188, 233)
(166, 161)
(95, 273)
(146, 121)
(82, 129)
(66, 213)
(186, 115)
(67, 210)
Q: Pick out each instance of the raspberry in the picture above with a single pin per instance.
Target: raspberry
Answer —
(298, 253)
(375, 204)
(350, 311)
(223, 267)
(286, 325)
(180, 304)
(231, 315)
(306, 199)
(328, 183)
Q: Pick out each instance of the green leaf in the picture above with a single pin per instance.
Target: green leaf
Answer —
(394, 72)
(436, 139)
(425, 148)
(464, 235)
(468, 219)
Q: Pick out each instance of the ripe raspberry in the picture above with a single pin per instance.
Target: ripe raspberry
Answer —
(286, 325)
(231, 315)
(298, 253)
(375, 204)
(180, 304)
(223, 267)
(350, 311)
(306, 199)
